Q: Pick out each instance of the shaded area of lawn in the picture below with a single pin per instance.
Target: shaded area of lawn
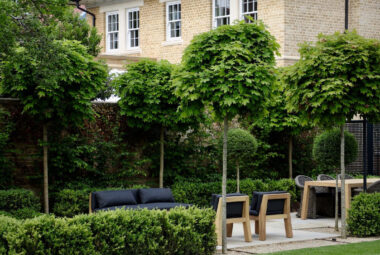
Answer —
(365, 248)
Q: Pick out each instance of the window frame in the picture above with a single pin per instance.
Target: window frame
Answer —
(214, 18)
(242, 13)
(108, 44)
(168, 22)
(128, 35)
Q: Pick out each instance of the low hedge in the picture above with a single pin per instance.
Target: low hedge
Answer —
(199, 193)
(364, 215)
(19, 203)
(178, 231)
(71, 202)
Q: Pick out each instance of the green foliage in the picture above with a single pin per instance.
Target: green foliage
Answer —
(146, 94)
(326, 149)
(15, 199)
(199, 193)
(6, 166)
(228, 70)
(54, 88)
(178, 231)
(364, 215)
(336, 78)
(21, 214)
(240, 143)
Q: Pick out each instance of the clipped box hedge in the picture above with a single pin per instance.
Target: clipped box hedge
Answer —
(364, 215)
(199, 193)
(124, 232)
(19, 203)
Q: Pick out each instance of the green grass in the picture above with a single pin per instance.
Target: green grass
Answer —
(365, 248)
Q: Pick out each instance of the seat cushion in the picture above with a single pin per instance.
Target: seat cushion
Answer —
(113, 208)
(162, 206)
(234, 209)
(114, 198)
(275, 206)
(155, 195)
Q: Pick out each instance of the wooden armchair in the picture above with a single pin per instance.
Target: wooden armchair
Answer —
(270, 205)
(237, 212)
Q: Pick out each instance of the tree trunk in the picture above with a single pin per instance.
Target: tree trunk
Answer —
(162, 157)
(291, 157)
(224, 188)
(336, 201)
(46, 180)
(237, 177)
(343, 175)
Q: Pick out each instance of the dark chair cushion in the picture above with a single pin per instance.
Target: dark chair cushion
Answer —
(275, 206)
(156, 195)
(234, 209)
(114, 198)
(162, 206)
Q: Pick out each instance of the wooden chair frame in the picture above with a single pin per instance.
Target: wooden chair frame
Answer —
(244, 219)
(90, 204)
(260, 220)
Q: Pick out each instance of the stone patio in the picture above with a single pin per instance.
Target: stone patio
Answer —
(303, 230)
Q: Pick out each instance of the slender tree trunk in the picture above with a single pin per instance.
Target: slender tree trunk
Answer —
(224, 188)
(343, 176)
(336, 201)
(46, 179)
(291, 157)
(237, 177)
(162, 148)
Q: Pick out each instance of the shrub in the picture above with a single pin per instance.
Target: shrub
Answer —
(15, 199)
(364, 215)
(178, 231)
(326, 149)
(21, 214)
(199, 194)
(71, 202)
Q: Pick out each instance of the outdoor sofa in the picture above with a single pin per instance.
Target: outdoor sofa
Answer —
(152, 198)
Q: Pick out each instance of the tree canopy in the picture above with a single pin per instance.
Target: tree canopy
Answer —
(335, 79)
(326, 150)
(228, 70)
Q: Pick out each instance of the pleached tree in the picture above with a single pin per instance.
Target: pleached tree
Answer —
(335, 79)
(227, 72)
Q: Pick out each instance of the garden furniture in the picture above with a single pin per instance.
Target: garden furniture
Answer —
(373, 188)
(270, 205)
(325, 197)
(237, 212)
(153, 198)
(312, 207)
(347, 177)
(349, 184)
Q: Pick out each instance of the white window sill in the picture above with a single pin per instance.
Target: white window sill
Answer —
(172, 42)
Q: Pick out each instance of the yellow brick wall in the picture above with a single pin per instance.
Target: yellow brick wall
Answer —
(365, 17)
(100, 25)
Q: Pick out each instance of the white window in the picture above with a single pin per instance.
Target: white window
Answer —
(173, 20)
(221, 12)
(112, 31)
(133, 26)
(248, 9)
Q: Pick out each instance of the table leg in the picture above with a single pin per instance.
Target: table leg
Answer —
(305, 201)
(348, 198)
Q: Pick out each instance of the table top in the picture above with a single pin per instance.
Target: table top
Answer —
(332, 183)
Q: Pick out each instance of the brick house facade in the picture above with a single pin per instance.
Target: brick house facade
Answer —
(166, 27)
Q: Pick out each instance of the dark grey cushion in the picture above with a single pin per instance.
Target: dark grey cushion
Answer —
(162, 206)
(114, 198)
(234, 209)
(156, 195)
(275, 206)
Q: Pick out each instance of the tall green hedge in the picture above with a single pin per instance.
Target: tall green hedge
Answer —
(364, 215)
(124, 232)
(19, 203)
(198, 193)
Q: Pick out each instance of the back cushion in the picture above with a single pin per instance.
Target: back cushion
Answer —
(155, 195)
(114, 198)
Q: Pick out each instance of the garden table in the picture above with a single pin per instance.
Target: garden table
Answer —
(349, 184)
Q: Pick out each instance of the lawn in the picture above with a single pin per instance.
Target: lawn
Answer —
(366, 248)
